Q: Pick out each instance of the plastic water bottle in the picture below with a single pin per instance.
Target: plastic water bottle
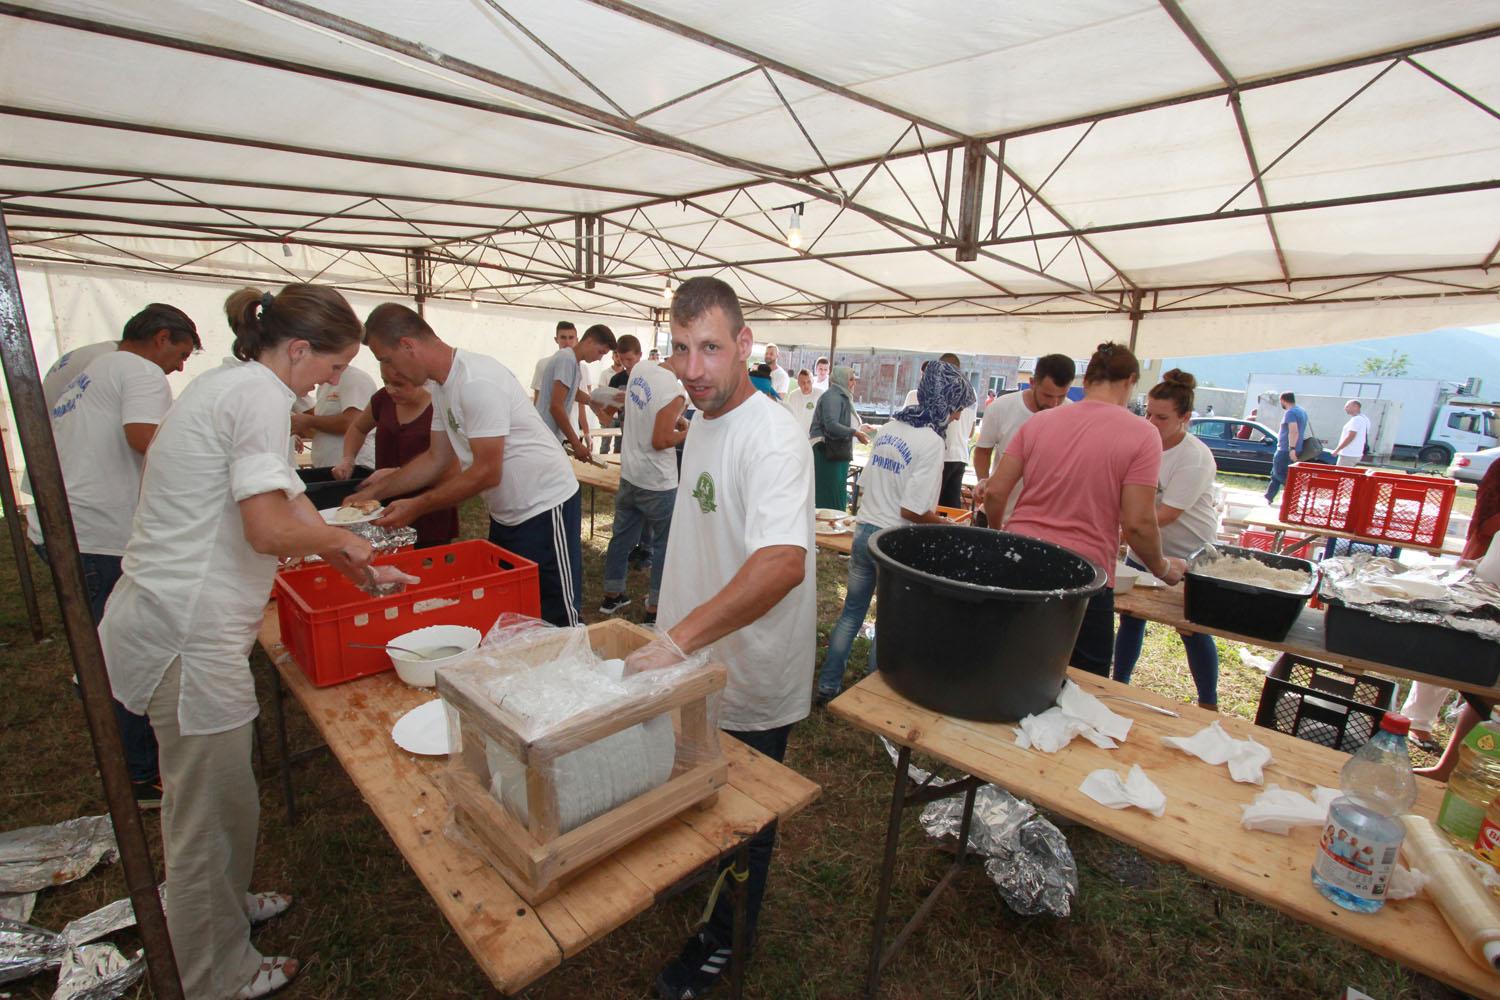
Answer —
(1362, 836)
(1474, 784)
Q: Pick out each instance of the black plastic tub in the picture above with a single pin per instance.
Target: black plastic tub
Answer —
(975, 623)
(1244, 608)
(324, 491)
(1430, 649)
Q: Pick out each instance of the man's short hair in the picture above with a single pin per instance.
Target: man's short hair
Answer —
(160, 316)
(803, 371)
(390, 322)
(628, 344)
(1288, 397)
(951, 358)
(564, 324)
(1059, 369)
(600, 334)
(695, 297)
(1356, 404)
(822, 361)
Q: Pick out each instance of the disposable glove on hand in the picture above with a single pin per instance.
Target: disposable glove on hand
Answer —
(657, 654)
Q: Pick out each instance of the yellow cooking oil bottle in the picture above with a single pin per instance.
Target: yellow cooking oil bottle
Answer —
(1474, 784)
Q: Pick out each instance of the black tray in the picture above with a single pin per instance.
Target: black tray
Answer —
(1241, 608)
(324, 491)
(1430, 649)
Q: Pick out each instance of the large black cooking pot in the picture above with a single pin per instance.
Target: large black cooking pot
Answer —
(977, 623)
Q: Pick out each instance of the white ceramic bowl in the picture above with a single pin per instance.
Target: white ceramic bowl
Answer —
(1125, 577)
(423, 673)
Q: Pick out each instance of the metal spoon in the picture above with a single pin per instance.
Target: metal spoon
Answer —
(1144, 704)
(430, 653)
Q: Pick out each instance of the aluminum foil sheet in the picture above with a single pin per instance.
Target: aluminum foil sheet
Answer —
(383, 540)
(26, 950)
(86, 971)
(17, 906)
(40, 856)
(1438, 594)
(1028, 857)
(97, 972)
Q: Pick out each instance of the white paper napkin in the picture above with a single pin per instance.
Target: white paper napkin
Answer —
(1277, 809)
(1077, 713)
(1212, 745)
(1108, 789)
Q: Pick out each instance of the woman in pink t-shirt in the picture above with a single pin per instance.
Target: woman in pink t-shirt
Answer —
(1089, 470)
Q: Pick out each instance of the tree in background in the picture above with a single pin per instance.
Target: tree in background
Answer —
(1311, 368)
(1395, 365)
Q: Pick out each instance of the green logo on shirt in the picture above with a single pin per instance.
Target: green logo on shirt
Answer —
(704, 494)
(452, 421)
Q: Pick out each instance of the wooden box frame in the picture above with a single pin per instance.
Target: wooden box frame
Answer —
(536, 857)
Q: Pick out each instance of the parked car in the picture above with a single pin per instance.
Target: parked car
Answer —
(1470, 466)
(1240, 445)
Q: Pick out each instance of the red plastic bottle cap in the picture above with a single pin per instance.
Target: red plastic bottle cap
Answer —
(1395, 722)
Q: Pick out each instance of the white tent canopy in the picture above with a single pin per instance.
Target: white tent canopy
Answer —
(1000, 177)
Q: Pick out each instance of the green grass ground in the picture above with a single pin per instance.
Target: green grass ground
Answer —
(364, 926)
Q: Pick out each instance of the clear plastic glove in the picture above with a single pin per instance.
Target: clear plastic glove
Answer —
(351, 556)
(1176, 569)
(343, 470)
(657, 654)
(382, 581)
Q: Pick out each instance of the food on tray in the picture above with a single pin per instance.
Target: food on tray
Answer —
(1238, 569)
(363, 506)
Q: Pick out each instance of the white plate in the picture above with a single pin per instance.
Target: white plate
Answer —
(330, 516)
(1147, 580)
(837, 529)
(423, 730)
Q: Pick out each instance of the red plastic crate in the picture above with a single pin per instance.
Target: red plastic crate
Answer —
(467, 583)
(1409, 508)
(1264, 541)
(1324, 496)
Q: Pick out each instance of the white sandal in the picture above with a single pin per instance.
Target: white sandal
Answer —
(262, 906)
(273, 974)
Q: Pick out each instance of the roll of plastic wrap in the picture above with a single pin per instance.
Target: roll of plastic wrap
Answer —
(1462, 899)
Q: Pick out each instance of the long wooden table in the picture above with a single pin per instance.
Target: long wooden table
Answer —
(514, 943)
(1306, 638)
(1200, 830)
(596, 478)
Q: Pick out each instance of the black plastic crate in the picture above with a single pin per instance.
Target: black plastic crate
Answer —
(1241, 608)
(1322, 704)
(1348, 547)
(324, 491)
(1431, 649)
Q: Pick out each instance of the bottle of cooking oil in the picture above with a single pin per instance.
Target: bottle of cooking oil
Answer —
(1474, 784)
(1487, 845)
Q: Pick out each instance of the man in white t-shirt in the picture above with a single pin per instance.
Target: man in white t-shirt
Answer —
(565, 382)
(481, 415)
(820, 375)
(740, 573)
(566, 336)
(780, 380)
(801, 401)
(650, 433)
(67, 367)
(1351, 447)
(103, 421)
(333, 410)
(956, 446)
(1053, 375)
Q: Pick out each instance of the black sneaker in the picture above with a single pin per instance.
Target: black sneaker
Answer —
(695, 970)
(612, 603)
(147, 794)
(649, 618)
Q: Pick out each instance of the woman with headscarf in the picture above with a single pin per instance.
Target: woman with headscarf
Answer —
(1090, 470)
(900, 483)
(835, 425)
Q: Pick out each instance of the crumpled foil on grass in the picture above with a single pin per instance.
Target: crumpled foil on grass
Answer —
(37, 857)
(88, 972)
(97, 972)
(1028, 857)
(26, 950)
(17, 906)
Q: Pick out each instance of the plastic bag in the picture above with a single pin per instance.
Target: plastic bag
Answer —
(567, 709)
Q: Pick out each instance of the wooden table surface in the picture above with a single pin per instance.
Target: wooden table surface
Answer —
(1201, 828)
(512, 942)
(592, 475)
(842, 542)
(1164, 604)
(1266, 519)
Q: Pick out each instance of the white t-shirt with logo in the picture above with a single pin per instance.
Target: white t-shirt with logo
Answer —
(100, 469)
(801, 405)
(1186, 481)
(747, 484)
(1002, 419)
(1360, 425)
(66, 368)
(482, 399)
(905, 470)
(354, 389)
(649, 388)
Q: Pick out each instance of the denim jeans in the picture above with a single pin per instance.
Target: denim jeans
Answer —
(1280, 462)
(1094, 648)
(637, 509)
(856, 605)
(772, 743)
(1202, 657)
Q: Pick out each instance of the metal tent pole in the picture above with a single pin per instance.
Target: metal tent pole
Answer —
(18, 544)
(35, 431)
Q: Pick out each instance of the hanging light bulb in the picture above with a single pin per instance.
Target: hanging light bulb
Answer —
(666, 291)
(473, 302)
(794, 228)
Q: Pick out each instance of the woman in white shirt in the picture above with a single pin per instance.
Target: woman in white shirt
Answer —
(219, 505)
(1188, 521)
(900, 484)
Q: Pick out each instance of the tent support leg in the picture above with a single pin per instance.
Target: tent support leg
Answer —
(35, 431)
